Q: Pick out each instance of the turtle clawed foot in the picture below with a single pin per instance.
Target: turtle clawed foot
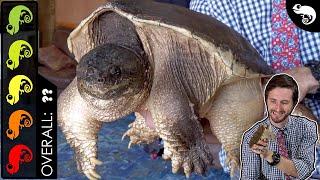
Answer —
(134, 139)
(233, 164)
(139, 134)
(196, 159)
(91, 173)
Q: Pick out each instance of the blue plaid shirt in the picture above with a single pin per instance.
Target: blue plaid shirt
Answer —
(301, 136)
(252, 19)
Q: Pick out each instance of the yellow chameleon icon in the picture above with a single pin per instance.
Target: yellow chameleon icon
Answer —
(18, 84)
(18, 50)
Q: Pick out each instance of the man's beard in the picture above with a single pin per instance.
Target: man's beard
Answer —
(278, 117)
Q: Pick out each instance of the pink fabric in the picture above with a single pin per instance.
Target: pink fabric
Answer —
(284, 39)
(282, 146)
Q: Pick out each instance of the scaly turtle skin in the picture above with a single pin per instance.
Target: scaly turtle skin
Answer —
(170, 66)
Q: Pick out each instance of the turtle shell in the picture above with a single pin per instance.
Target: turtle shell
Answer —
(240, 56)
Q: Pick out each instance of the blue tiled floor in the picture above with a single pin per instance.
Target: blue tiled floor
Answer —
(119, 162)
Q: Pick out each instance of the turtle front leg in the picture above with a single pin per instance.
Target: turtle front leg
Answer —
(181, 131)
(236, 107)
(80, 130)
(139, 132)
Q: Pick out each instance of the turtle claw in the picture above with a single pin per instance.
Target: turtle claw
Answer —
(166, 153)
(95, 174)
(92, 174)
(95, 161)
(123, 136)
(129, 145)
(232, 161)
(233, 164)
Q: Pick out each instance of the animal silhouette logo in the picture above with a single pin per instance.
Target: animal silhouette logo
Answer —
(18, 50)
(18, 84)
(18, 15)
(307, 13)
(18, 119)
(17, 155)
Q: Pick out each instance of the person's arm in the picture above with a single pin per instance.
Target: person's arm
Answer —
(250, 161)
(306, 80)
(305, 158)
(301, 164)
(314, 66)
(285, 165)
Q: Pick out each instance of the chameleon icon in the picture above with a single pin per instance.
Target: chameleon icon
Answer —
(18, 15)
(18, 50)
(18, 84)
(18, 119)
(307, 13)
(19, 154)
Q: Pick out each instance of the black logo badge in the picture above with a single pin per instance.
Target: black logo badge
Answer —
(305, 14)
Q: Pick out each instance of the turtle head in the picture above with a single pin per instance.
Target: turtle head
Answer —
(114, 78)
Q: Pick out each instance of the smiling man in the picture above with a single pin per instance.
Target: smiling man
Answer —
(291, 154)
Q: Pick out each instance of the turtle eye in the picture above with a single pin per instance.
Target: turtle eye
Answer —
(115, 71)
(9, 26)
(9, 97)
(9, 62)
(9, 131)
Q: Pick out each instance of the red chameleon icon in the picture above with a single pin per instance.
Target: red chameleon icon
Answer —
(18, 154)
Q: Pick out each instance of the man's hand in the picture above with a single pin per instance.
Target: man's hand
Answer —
(306, 82)
(261, 148)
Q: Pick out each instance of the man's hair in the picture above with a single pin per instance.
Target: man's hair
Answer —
(283, 81)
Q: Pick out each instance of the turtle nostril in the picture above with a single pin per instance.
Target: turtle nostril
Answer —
(90, 71)
(115, 71)
(101, 80)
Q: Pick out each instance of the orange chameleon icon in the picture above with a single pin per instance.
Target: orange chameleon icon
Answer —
(17, 120)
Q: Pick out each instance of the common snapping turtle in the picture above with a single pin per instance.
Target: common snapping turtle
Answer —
(170, 66)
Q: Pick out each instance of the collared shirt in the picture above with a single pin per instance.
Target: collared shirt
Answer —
(252, 19)
(301, 137)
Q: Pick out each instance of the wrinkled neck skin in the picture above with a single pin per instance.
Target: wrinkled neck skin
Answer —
(113, 109)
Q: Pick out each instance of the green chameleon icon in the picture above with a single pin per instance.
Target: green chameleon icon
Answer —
(18, 50)
(18, 15)
(18, 84)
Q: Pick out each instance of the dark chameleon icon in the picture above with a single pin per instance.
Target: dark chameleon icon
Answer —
(18, 154)
(18, 15)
